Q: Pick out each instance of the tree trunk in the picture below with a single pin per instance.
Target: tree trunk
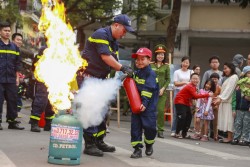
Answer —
(173, 25)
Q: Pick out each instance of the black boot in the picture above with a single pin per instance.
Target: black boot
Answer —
(103, 146)
(160, 134)
(34, 126)
(90, 147)
(15, 125)
(47, 126)
(137, 153)
(1, 128)
(149, 149)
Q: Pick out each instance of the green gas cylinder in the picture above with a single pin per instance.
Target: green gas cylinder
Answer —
(65, 146)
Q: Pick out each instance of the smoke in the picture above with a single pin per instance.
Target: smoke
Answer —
(91, 104)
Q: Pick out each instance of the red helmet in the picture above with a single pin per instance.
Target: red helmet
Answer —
(142, 52)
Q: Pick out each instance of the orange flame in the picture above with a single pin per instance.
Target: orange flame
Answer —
(60, 61)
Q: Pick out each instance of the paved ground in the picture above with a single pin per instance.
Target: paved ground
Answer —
(29, 149)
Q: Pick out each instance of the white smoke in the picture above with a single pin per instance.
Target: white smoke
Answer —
(91, 104)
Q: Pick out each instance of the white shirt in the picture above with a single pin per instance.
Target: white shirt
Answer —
(181, 76)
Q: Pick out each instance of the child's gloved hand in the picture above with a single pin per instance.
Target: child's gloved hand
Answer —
(142, 108)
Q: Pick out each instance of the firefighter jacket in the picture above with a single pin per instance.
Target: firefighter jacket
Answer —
(147, 85)
(100, 43)
(10, 62)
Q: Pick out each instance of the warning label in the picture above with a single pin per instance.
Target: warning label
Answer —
(65, 133)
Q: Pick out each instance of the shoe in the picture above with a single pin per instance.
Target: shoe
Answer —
(224, 141)
(90, 146)
(243, 143)
(103, 146)
(235, 142)
(15, 125)
(35, 128)
(160, 134)
(137, 153)
(149, 149)
(173, 134)
(47, 126)
(196, 136)
(107, 130)
(204, 138)
(1, 128)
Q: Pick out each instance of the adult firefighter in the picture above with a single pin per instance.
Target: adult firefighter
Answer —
(40, 102)
(101, 51)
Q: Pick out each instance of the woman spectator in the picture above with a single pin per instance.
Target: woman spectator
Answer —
(196, 69)
(181, 79)
(225, 116)
(163, 74)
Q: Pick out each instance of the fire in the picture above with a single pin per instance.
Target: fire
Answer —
(60, 61)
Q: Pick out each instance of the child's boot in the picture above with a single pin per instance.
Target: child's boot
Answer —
(137, 153)
(149, 149)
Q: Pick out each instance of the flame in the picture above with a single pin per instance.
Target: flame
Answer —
(61, 59)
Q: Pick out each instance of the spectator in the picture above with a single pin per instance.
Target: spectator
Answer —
(241, 108)
(181, 79)
(238, 62)
(11, 65)
(183, 103)
(225, 117)
(196, 69)
(163, 74)
(214, 63)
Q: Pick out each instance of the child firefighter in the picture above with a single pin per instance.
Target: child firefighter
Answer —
(147, 85)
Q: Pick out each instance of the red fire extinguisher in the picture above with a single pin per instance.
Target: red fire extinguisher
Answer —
(133, 95)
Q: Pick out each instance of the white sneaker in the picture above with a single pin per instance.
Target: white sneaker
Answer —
(172, 134)
(107, 130)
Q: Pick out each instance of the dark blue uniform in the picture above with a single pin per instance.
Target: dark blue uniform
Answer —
(147, 84)
(101, 42)
(40, 102)
(10, 63)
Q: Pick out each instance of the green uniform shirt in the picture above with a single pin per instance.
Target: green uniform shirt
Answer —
(163, 74)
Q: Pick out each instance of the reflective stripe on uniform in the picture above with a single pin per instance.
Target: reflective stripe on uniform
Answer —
(147, 94)
(19, 106)
(102, 41)
(10, 51)
(149, 141)
(156, 79)
(134, 143)
(51, 117)
(38, 56)
(139, 81)
(35, 117)
(99, 133)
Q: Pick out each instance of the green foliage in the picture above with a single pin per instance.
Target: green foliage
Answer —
(244, 85)
(91, 10)
(10, 12)
(139, 8)
(242, 3)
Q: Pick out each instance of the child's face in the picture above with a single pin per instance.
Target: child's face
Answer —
(195, 80)
(248, 74)
(208, 86)
(214, 64)
(142, 61)
(216, 80)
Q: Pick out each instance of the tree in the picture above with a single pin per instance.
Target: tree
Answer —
(90, 11)
(9, 11)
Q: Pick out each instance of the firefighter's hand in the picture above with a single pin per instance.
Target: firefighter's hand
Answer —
(142, 108)
(127, 70)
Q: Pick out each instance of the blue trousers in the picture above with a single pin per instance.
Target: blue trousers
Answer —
(140, 122)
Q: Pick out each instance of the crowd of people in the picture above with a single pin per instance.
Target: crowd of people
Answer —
(219, 102)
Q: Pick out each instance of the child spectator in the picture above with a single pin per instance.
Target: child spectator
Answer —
(241, 106)
(216, 78)
(204, 110)
(183, 102)
(148, 88)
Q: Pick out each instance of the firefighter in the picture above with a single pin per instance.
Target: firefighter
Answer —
(101, 51)
(10, 64)
(40, 102)
(163, 74)
(147, 85)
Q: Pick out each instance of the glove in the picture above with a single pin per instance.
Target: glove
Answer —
(127, 70)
